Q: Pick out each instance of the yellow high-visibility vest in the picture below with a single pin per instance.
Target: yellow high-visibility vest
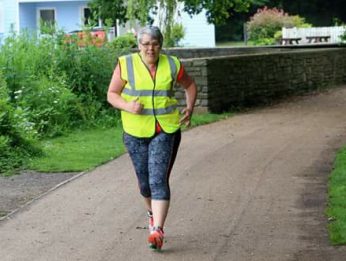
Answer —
(156, 95)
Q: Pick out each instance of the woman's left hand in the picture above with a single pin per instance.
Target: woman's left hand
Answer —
(186, 119)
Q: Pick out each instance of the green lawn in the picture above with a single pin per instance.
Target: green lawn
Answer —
(79, 151)
(336, 210)
(86, 149)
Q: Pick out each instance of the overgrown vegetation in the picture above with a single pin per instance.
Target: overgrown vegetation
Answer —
(265, 26)
(124, 42)
(16, 134)
(336, 202)
(50, 85)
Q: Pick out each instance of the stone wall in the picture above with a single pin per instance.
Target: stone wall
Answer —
(251, 79)
(186, 53)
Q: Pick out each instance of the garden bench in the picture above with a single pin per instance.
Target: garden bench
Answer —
(318, 38)
(290, 41)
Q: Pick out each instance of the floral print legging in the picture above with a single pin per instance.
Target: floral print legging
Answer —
(153, 159)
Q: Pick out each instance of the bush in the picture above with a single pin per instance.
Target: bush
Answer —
(177, 33)
(343, 37)
(88, 71)
(50, 105)
(263, 26)
(16, 138)
(126, 42)
(47, 87)
(38, 88)
(36, 69)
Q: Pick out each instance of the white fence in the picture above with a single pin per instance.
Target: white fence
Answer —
(333, 31)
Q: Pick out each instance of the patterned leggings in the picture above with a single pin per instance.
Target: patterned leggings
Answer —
(153, 159)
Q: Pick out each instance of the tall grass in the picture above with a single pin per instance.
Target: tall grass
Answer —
(48, 87)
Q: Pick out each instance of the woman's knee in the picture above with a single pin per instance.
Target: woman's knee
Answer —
(144, 189)
(160, 191)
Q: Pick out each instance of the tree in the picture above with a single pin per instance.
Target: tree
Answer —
(217, 12)
(109, 9)
(317, 12)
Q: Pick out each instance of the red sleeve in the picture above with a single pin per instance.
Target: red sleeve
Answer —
(181, 72)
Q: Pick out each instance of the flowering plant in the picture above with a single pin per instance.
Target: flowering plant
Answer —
(263, 25)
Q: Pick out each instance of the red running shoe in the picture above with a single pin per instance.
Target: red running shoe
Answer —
(155, 238)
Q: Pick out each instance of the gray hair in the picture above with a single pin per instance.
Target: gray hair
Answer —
(153, 31)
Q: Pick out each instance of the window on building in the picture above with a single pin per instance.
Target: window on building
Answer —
(87, 15)
(89, 18)
(47, 16)
(47, 21)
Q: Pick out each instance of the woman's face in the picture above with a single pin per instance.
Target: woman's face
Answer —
(149, 49)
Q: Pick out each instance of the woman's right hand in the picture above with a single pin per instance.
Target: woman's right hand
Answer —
(135, 106)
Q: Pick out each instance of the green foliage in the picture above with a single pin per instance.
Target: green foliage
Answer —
(16, 137)
(343, 37)
(299, 22)
(50, 105)
(336, 210)
(205, 118)
(37, 86)
(217, 12)
(105, 9)
(265, 24)
(88, 71)
(48, 28)
(49, 85)
(177, 33)
(123, 42)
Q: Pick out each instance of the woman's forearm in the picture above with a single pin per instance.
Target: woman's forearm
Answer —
(117, 101)
(191, 95)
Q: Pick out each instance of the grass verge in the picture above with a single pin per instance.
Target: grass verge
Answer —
(86, 149)
(79, 151)
(336, 210)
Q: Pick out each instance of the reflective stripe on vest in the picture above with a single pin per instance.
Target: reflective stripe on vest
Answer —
(161, 111)
(131, 79)
(173, 67)
(130, 73)
(143, 93)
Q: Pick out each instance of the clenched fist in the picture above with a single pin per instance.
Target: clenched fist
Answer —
(135, 106)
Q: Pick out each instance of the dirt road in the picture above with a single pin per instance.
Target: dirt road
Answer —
(252, 187)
